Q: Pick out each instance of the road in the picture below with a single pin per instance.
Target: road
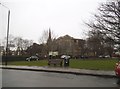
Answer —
(20, 78)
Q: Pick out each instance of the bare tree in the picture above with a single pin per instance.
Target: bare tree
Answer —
(107, 21)
(10, 43)
(97, 46)
(21, 44)
(45, 35)
(26, 43)
(48, 40)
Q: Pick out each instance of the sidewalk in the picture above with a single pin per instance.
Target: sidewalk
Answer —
(63, 70)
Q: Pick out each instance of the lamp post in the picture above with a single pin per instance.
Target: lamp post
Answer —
(7, 33)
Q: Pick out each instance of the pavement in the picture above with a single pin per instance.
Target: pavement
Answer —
(62, 70)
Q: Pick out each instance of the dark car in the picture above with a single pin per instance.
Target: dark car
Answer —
(117, 69)
(32, 58)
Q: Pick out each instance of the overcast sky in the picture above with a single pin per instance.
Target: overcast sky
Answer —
(29, 18)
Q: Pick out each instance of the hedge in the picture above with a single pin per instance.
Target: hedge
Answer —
(13, 58)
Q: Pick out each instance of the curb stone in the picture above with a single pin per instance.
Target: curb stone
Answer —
(110, 74)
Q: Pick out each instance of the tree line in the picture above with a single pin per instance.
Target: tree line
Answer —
(103, 37)
(105, 28)
(16, 45)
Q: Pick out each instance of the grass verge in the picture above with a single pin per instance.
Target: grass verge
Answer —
(94, 64)
(104, 64)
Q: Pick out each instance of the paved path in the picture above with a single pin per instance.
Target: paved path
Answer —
(63, 70)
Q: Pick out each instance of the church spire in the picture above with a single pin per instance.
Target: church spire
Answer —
(49, 41)
(49, 37)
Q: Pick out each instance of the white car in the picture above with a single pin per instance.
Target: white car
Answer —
(32, 58)
(65, 57)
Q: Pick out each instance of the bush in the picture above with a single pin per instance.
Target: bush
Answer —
(14, 58)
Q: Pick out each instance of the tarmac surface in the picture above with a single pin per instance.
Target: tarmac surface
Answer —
(62, 70)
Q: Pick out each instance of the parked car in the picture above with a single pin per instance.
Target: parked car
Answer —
(117, 69)
(32, 58)
(101, 56)
(65, 56)
(107, 56)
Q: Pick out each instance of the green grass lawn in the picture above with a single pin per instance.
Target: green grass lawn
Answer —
(104, 64)
(29, 63)
(94, 64)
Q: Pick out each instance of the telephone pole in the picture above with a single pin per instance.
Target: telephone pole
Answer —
(7, 40)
